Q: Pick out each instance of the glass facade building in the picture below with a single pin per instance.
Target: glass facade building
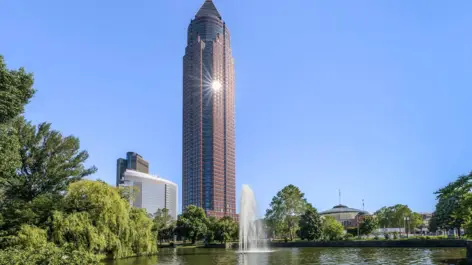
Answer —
(208, 163)
(133, 161)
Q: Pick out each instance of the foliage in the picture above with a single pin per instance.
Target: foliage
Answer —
(49, 163)
(352, 231)
(387, 236)
(416, 221)
(31, 247)
(368, 225)
(395, 235)
(332, 229)
(433, 224)
(226, 229)
(192, 223)
(212, 227)
(48, 254)
(16, 89)
(310, 224)
(393, 217)
(453, 209)
(285, 210)
(348, 236)
(143, 241)
(98, 220)
(47, 214)
(162, 223)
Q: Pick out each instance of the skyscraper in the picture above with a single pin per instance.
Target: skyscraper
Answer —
(133, 161)
(208, 163)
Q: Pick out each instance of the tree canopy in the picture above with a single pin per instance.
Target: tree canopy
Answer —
(16, 90)
(393, 217)
(332, 229)
(454, 206)
(192, 223)
(285, 211)
(368, 225)
(310, 224)
(163, 224)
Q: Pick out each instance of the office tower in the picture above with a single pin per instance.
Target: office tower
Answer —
(208, 163)
(133, 161)
(151, 192)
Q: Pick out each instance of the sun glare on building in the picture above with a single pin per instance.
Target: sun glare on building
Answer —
(216, 85)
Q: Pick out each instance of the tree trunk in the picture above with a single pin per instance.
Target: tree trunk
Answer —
(194, 238)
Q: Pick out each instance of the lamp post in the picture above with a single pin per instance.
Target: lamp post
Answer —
(406, 219)
(358, 234)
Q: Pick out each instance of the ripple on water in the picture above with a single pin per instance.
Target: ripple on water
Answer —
(302, 256)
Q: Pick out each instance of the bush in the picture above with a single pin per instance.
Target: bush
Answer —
(376, 237)
(352, 231)
(48, 254)
(387, 236)
(395, 235)
(348, 236)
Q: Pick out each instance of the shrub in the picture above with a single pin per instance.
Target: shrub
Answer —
(387, 236)
(48, 254)
(395, 235)
(348, 236)
(376, 237)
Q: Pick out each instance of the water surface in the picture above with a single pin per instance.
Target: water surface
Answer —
(311, 256)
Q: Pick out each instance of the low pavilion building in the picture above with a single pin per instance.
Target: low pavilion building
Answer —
(348, 217)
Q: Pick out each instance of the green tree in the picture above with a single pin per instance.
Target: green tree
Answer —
(453, 209)
(285, 210)
(332, 229)
(98, 220)
(416, 221)
(310, 224)
(226, 229)
(433, 224)
(32, 248)
(368, 225)
(212, 229)
(193, 223)
(393, 216)
(49, 163)
(162, 222)
(16, 89)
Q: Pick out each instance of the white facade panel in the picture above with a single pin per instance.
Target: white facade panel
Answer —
(153, 192)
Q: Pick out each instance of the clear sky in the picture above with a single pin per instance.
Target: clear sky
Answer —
(370, 97)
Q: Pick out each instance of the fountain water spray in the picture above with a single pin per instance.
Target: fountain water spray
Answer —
(251, 232)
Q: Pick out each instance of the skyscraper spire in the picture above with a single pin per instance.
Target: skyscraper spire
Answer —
(208, 9)
(339, 197)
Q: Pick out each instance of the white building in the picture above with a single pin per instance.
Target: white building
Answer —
(153, 192)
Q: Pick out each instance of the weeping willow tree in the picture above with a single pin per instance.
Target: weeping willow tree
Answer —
(97, 219)
(31, 247)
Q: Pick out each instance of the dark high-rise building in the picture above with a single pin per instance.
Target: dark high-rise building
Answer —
(133, 161)
(208, 164)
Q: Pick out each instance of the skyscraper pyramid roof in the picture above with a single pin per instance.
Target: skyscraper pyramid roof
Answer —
(208, 9)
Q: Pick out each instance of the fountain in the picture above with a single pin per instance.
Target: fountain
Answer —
(251, 232)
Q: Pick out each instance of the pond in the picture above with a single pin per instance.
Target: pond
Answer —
(299, 256)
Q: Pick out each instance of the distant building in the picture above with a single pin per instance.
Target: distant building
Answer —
(152, 192)
(426, 219)
(133, 161)
(348, 217)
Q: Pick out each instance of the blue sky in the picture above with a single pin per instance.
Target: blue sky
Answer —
(370, 97)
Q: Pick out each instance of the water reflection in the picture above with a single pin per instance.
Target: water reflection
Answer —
(299, 256)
